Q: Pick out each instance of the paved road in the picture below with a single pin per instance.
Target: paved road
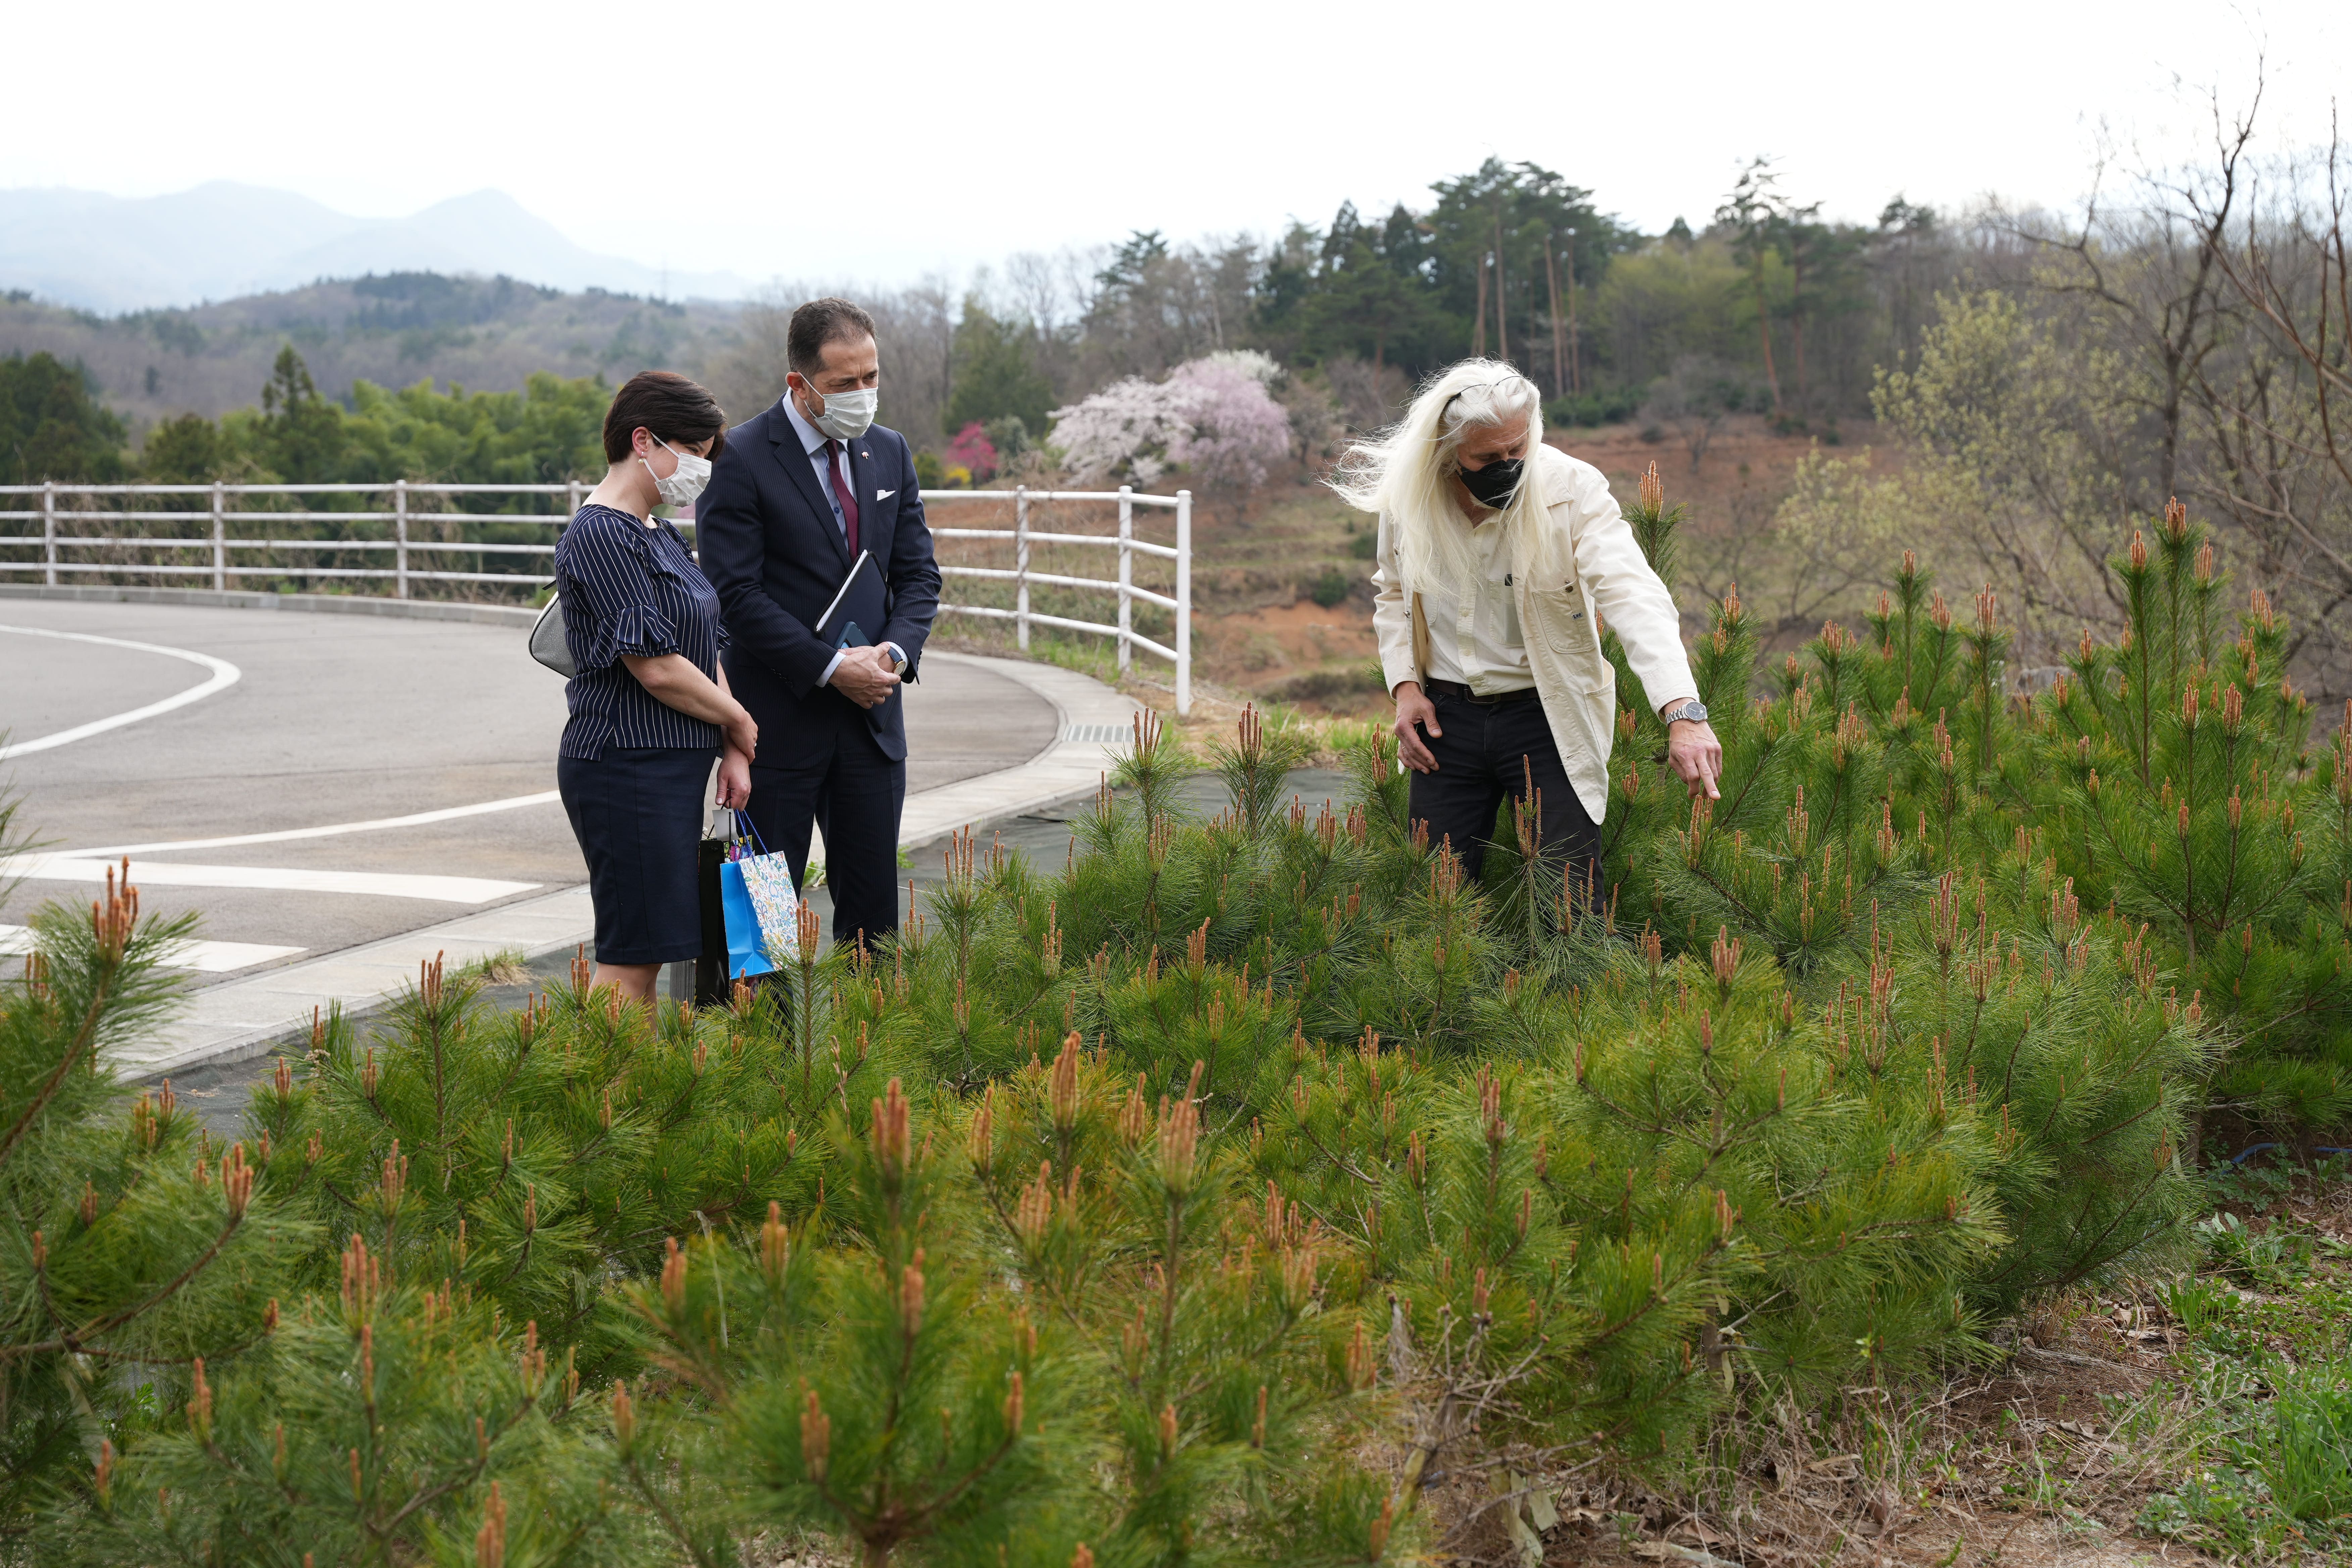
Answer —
(338, 720)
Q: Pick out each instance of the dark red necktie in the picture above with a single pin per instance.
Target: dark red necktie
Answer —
(842, 494)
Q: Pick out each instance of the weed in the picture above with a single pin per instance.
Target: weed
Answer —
(2307, 1458)
(508, 966)
(2197, 1305)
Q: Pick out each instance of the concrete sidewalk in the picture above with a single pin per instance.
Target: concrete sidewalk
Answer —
(238, 1019)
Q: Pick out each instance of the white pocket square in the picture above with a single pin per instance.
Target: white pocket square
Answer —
(884, 495)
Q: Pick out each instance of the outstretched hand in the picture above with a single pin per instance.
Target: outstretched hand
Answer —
(1695, 755)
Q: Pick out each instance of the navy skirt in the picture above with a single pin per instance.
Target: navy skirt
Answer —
(637, 812)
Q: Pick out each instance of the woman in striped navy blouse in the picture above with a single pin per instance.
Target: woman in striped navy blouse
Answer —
(650, 708)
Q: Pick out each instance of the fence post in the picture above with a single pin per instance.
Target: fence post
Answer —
(1125, 576)
(49, 530)
(220, 536)
(1183, 602)
(1021, 565)
(400, 539)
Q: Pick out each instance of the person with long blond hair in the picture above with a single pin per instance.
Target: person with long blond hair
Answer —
(1498, 558)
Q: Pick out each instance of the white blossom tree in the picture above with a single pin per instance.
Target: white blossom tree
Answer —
(1122, 431)
(1212, 416)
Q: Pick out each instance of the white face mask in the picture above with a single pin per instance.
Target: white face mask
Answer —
(848, 414)
(686, 482)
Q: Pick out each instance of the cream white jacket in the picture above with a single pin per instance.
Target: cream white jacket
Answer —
(1580, 565)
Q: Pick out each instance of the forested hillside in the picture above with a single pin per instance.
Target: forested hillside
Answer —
(490, 333)
(2028, 385)
(1765, 306)
(1509, 259)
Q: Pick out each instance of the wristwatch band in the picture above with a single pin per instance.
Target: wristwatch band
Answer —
(1689, 708)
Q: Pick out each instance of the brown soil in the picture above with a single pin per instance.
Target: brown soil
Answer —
(1272, 645)
(2013, 1464)
(1740, 480)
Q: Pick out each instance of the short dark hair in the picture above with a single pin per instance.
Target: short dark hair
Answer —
(819, 322)
(673, 408)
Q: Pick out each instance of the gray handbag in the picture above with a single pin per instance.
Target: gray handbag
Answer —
(547, 642)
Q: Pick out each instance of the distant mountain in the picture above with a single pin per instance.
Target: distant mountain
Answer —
(221, 241)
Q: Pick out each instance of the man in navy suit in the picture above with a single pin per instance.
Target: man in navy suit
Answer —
(799, 492)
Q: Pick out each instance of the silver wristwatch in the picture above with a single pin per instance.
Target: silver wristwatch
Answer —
(1691, 708)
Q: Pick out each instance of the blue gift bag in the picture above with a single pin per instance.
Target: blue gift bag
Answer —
(761, 907)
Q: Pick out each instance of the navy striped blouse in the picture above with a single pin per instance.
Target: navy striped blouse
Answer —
(631, 589)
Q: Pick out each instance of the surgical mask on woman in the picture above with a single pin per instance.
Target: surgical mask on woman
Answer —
(848, 414)
(684, 483)
(1494, 484)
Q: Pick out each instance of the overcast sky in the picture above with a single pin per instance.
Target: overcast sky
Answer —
(876, 142)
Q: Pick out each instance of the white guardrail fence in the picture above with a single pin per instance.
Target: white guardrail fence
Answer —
(66, 552)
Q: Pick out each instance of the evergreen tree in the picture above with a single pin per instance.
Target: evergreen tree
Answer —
(996, 373)
(50, 425)
(132, 1245)
(300, 436)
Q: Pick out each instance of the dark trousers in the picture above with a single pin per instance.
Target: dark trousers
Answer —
(828, 770)
(1488, 751)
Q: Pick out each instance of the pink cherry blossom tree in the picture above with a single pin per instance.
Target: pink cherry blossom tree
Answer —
(1234, 429)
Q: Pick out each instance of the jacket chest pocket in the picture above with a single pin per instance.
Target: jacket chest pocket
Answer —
(1563, 620)
(1559, 609)
(1556, 597)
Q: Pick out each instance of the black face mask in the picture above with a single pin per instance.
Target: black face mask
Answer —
(1495, 484)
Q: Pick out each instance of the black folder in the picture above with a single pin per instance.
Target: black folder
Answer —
(862, 597)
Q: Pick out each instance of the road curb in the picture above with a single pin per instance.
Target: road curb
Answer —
(240, 1019)
(1092, 723)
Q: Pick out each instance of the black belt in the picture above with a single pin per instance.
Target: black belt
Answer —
(1485, 700)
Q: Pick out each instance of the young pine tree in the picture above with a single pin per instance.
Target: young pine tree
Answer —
(132, 1244)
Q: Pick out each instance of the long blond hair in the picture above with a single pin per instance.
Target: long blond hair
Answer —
(1401, 473)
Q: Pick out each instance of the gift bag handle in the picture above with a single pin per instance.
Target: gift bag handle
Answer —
(743, 825)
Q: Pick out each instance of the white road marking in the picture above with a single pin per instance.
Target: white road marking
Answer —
(444, 814)
(220, 957)
(90, 865)
(225, 675)
(209, 957)
(279, 879)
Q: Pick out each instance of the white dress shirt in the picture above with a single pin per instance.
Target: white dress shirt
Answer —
(1475, 638)
(822, 464)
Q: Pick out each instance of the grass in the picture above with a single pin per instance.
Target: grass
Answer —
(508, 966)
